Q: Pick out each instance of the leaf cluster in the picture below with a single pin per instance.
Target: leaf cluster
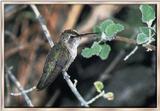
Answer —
(107, 31)
(145, 35)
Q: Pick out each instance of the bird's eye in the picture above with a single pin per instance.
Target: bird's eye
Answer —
(72, 36)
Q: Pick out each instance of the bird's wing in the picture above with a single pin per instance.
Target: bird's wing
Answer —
(48, 77)
(56, 59)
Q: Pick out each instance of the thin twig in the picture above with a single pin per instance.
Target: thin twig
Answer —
(74, 89)
(43, 25)
(121, 39)
(131, 53)
(96, 97)
(24, 91)
(75, 82)
(16, 82)
(132, 41)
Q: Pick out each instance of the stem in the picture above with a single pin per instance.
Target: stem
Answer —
(96, 97)
(132, 41)
(131, 53)
(150, 33)
(74, 89)
(43, 25)
(24, 91)
(16, 82)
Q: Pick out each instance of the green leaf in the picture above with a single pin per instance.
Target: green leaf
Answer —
(105, 24)
(119, 27)
(104, 51)
(148, 13)
(145, 30)
(101, 27)
(99, 86)
(142, 38)
(109, 28)
(96, 48)
(113, 29)
(86, 52)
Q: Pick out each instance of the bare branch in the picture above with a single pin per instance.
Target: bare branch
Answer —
(25, 91)
(132, 41)
(74, 89)
(131, 53)
(43, 25)
(96, 97)
(121, 39)
(18, 85)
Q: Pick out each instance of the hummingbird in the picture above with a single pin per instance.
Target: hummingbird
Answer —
(60, 57)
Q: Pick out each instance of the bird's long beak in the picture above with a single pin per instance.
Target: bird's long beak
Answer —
(85, 34)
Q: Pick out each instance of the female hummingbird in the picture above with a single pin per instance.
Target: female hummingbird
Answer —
(60, 57)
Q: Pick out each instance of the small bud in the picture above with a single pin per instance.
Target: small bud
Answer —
(99, 86)
(109, 96)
